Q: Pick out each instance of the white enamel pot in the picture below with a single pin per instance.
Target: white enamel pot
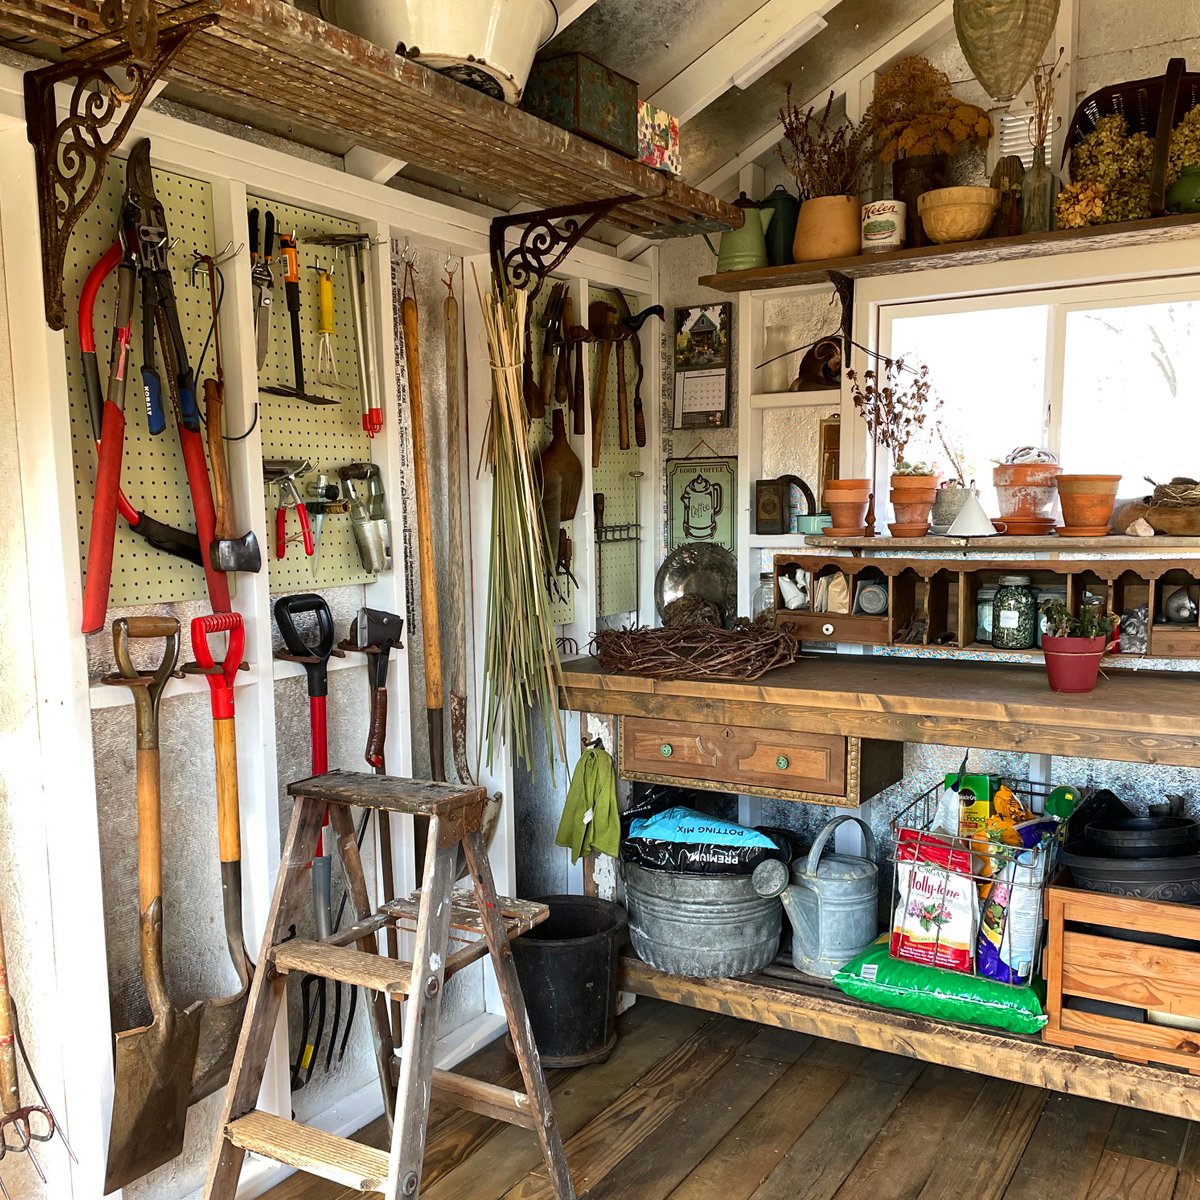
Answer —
(487, 44)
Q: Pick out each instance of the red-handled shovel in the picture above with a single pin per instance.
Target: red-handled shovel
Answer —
(222, 1019)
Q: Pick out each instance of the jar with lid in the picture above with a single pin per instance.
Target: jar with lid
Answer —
(1044, 596)
(763, 600)
(983, 615)
(1014, 614)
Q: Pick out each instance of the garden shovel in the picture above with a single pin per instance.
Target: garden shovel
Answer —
(222, 1020)
(153, 1063)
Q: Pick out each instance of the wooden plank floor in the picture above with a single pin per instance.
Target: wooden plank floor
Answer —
(698, 1107)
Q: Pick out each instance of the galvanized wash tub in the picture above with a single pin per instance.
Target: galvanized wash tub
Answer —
(701, 925)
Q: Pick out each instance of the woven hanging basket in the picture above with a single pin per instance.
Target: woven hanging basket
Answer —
(1003, 40)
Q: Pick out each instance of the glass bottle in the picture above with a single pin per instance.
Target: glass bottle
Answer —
(1014, 614)
(983, 615)
(763, 600)
(1037, 195)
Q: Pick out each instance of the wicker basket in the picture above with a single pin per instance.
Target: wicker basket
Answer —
(1150, 106)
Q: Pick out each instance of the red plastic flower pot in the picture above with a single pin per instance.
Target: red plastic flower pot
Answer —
(1073, 663)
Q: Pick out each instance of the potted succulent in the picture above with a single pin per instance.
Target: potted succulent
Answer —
(1074, 645)
(895, 401)
(917, 122)
(828, 159)
(1025, 488)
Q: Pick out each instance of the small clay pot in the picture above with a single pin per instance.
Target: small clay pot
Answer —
(912, 499)
(1087, 500)
(1025, 489)
(828, 227)
(849, 514)
(847, 485)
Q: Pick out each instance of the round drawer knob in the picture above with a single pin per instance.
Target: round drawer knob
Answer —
(665, 749)
(781, 762)
(827, 629)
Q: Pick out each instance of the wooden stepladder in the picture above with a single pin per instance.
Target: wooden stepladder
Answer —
(480, 921)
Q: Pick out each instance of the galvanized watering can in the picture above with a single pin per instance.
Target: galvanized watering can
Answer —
(832, 902)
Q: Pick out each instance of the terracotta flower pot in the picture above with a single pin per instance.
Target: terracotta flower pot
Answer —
(1025, 489)
(828, 227)
(849, 514)
(1073, 663)
(1087, 500)
(847, 485)
(899, 529)
(912, 498)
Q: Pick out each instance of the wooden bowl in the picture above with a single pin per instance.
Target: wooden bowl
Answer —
(958, 214)
(1176, 522)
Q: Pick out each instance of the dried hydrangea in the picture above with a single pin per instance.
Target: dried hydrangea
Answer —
(1122, 162)
(1080, 204)
(1185, 146)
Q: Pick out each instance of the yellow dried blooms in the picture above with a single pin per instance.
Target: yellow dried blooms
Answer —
(1080, 204)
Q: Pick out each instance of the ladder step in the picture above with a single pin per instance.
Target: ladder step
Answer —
(420, 797)
(339, 1160)
(374, 971)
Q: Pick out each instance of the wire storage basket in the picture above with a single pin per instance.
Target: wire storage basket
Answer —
(973, 901)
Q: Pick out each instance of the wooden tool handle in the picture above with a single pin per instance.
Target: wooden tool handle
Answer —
(214, 403)
(598, 404)
(577, 424)
(149, 828)
(377, 733)
(229, 822)
(10, 1091)
(151, 627)
(430, 635)
(639, 421)
(547, 379)
(622, 400)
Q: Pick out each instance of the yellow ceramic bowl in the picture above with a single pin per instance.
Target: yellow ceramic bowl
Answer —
(958, 214)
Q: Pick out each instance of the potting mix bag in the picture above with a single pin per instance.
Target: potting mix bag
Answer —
(878, 978)
(937, 908)
(682, 839)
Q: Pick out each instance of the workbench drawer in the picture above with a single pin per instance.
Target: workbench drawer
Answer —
(753, 761)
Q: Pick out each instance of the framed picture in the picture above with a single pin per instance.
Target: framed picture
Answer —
(702, 374)
(701, 501)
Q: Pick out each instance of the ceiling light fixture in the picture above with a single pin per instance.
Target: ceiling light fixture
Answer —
(783, 48)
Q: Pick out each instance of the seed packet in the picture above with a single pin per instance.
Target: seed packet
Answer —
(936, 921)
(1011, 921)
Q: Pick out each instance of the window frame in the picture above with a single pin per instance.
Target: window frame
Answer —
(1165, 270)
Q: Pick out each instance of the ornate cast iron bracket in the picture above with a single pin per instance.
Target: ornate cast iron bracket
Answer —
(844, 286)
(543, 244)
(71, 154)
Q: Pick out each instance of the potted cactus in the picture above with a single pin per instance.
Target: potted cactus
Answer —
(1074, 645)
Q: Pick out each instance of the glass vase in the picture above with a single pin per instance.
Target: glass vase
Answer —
(1037, 195)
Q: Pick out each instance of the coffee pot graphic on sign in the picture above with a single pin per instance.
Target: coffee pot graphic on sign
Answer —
(703, 502)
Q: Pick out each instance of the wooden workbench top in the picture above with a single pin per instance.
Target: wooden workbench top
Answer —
(1149, 716)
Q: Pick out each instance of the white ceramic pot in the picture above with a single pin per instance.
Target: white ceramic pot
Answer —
(487, 44)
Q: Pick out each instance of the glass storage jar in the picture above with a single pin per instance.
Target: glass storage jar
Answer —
(983, 615)
(1044, 596)
(1014, 614)
(763, 600)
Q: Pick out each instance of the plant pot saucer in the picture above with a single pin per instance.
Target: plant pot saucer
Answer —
(904, 529)
(1023, 526)
(845, 531)
(1084, 530)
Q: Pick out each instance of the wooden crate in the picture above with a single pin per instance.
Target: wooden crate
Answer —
(1084, 958)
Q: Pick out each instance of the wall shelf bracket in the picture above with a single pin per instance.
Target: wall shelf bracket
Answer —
(71, 153)
(547, 236)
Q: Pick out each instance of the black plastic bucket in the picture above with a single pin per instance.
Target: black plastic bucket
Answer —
(568, 971)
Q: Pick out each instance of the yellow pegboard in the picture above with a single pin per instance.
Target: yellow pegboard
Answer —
(152, 473)
(329, 436)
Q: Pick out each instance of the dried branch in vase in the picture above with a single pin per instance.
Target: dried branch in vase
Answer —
(828, 158)
(895, 402)
(1045, 79)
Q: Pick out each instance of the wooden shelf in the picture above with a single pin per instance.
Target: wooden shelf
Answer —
(783, 998)
(998, 546)
(960, 254)
(1132, 716)
(272, 63)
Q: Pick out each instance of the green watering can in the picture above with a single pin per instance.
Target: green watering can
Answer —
(744, 249)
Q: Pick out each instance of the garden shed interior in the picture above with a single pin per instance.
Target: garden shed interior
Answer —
(624, 568)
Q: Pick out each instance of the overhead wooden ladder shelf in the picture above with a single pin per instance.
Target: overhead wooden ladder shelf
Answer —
(960, 254)
(270, 63)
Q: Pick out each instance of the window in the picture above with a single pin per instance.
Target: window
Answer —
(1106, 376)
